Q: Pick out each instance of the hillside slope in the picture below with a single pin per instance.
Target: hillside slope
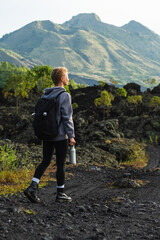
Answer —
(90, 48)
(17, 59)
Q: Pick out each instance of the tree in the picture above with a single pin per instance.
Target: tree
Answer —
(135, 100)
(41, 76)
(104, 102)
(155, 102)
(73, 85)
(7, 69)
(121, 92)
(20, 86)
(42, 71)
(101, 83)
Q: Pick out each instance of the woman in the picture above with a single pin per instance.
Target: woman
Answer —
(60, 142)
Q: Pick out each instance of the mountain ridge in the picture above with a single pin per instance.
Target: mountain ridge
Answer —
(136, 27)
(89, 48)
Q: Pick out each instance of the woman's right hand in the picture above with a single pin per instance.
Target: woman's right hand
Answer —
(72, 141)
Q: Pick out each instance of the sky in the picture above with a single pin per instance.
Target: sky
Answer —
(15, 14)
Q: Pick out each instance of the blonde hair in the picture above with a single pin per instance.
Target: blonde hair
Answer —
(57, 73)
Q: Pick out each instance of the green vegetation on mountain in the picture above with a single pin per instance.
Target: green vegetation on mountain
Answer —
(88, 47)
(17, 59)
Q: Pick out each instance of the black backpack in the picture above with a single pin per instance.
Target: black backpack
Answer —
(45, 124)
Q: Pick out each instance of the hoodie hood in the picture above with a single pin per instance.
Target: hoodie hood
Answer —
(52, 92)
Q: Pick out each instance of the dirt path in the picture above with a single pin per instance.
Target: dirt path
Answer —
(98, 211)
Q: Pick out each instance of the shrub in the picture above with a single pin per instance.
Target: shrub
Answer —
(15, 173)
(74, 106)
(8, 158)
(134, 99)
(121, 92)
(137, 156)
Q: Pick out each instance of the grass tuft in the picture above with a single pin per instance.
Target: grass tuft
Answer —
(17, 180)
(137, 157)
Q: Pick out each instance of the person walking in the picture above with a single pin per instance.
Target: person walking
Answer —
(59, 143)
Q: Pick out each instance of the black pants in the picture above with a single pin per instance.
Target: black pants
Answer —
(61, 152)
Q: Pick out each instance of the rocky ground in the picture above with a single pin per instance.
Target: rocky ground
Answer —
(106, 205)
(109, 201)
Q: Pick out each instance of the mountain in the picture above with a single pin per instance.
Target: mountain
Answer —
(89, 48)
(14, 58)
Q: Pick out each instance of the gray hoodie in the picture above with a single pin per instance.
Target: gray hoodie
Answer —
(64, 112)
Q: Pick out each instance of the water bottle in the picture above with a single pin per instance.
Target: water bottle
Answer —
(72, 155)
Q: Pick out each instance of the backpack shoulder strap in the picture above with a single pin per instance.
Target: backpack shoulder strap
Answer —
(56, 99)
